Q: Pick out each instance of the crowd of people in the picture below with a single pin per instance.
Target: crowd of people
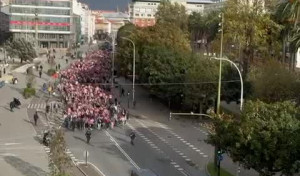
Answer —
(85, 88)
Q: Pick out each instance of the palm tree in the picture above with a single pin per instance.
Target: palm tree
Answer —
(288, 13)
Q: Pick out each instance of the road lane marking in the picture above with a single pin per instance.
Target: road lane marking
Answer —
(122, 151)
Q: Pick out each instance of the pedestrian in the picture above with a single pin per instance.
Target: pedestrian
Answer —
(132, 137)
(47, 108)
(4, 71)
(88, 135)
(67, 61)
(58, 66)
(35, 117)
(41, 67)
(40, 73)
(122, 92)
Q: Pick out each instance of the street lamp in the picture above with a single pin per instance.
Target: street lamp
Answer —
(241, 78)
(133, 76)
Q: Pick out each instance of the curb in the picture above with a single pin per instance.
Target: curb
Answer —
(91, 164)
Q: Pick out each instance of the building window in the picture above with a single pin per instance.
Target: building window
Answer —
(149, 15)
(142, 14)
(137, 14)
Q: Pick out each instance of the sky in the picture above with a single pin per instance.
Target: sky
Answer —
(107, 4)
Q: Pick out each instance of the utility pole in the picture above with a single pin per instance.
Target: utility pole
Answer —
(217, 148)
(220, 66)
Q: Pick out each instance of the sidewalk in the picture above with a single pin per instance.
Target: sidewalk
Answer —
(147, 107)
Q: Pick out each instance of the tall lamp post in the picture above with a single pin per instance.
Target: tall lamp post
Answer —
(241, 78)
(133, 76)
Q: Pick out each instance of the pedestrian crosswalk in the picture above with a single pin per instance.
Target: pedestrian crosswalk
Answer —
(37, 106)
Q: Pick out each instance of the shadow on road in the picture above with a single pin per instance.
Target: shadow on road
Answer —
(83, 140)
(25, 120)
(24, 167)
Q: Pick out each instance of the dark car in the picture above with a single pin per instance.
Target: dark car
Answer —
(143, 172)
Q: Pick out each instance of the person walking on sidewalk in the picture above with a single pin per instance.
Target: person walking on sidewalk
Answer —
(40, 73)
(35, 117)
(132, 137)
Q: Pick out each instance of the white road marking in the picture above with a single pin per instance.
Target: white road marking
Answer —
(122, 151)
(8, 144)
(176, 165)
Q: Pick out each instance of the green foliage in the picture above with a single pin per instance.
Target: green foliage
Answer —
(272, 82)
(165, 66)
(20, 48)
(59, 157)
(202, 70)
(29, 92)
(265, 138)
(172, 13)
(51, 72)
(249, 33)
(203, 26)
(213, 172)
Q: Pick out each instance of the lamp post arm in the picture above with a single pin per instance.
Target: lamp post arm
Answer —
(241, 78)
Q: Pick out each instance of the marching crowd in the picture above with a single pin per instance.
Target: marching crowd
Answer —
(89, 101)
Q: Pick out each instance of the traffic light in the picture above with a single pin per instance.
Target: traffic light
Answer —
(220, 155)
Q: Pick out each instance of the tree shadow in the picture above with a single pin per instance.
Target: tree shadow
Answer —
(24, 167)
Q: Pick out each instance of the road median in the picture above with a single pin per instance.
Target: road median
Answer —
(89, 169)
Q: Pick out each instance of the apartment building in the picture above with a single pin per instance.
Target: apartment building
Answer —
(142, 12)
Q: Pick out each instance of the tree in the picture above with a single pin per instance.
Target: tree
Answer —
(250, 30)
(200, 87)
(203, 27)
(165, 69)
(21, 48)
(172, 13)
(61, 160)
(265, 138)
(288, 14)
(272, 82)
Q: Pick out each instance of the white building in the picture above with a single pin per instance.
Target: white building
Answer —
(87, 20)
(110, 21)
(142, 12)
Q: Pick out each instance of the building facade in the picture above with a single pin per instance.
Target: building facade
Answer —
(87, 20)
(110, 21)
(4, 27)
(142, 12)
(46, 22)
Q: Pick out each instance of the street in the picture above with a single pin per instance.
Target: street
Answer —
(175, 147)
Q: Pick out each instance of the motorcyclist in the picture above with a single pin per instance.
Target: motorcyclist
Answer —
(45, 139)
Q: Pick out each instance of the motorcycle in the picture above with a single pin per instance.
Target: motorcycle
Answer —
(14, 104)
(46, 138)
